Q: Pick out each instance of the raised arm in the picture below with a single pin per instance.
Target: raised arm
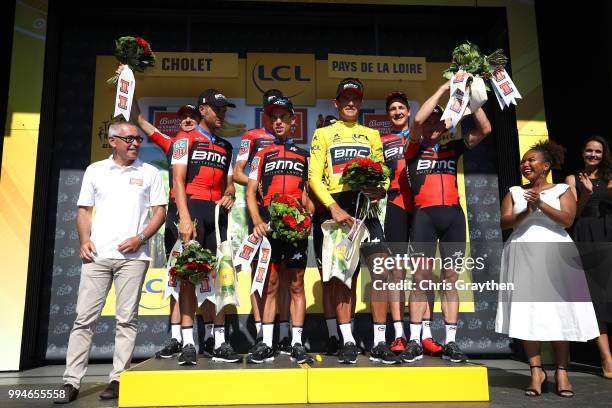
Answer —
(426, 109)
(481, 129)
(142, 123)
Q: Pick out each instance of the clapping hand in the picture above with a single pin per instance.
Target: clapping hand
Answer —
(586, 182)
(533, 199)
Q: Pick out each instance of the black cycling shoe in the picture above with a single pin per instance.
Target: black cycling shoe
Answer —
(299, 354)
(261, 354)
(188, 355)
(453, 353)
(172, 348)
(226, 354)
(348, 353)
(333, 345)
(258, 342)
(382, 353)
(413, 352)
(284, 346)
(209, 347)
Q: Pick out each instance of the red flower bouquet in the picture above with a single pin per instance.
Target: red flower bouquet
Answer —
(289, 221)
(363, 172)
(135, 52)
(193, 264)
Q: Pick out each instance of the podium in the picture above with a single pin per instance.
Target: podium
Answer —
(159, 382)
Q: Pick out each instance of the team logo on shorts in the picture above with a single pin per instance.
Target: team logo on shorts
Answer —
(180, 149)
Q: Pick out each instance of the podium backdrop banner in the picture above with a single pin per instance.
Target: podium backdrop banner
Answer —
(159, 99)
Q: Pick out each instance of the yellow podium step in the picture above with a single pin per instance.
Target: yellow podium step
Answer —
(165, 383)
(430, 379)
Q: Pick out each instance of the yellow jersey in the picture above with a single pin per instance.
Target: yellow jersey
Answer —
(331, 148)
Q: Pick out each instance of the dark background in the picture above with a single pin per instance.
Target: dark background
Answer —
(575, 52)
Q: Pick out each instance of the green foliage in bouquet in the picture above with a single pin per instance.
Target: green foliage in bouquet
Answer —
(289, 221)
(193, 264)
(364, 172)
(135, 52)
(469, 58)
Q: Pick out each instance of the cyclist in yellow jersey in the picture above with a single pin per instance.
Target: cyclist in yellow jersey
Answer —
(332, 147)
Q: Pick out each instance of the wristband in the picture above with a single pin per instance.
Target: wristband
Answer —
(142, 237)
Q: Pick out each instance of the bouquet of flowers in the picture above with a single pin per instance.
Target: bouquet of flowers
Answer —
(289, 221)
(193, 264)
(135, 52)
(361, 173)
(472, 74)
(467, 57)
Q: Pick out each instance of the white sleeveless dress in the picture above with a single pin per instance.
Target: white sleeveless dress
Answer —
(550, 300)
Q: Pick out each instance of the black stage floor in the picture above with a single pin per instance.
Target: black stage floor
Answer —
(507, 379)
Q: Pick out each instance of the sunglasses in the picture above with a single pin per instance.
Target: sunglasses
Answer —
(130, 139)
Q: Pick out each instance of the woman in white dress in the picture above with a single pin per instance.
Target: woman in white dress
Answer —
(550, 300)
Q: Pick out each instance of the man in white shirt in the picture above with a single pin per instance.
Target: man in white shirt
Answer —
(123, 190)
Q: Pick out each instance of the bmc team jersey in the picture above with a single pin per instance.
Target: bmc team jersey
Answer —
(208, 159)
(399, 189)
(331, 148)
(432, 172)
(280, 168)
(253, 141)
(164, 142)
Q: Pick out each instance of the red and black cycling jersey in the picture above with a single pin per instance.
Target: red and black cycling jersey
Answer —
(280, 168)
(208, 159)
(399, 192)
(164, 142)
(253, 141)
(432, 172)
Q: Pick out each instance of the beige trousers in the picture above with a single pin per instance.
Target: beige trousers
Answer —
(96, 280)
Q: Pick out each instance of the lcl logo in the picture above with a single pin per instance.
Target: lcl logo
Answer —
(292, 74)
(280, 73)
(152, 294)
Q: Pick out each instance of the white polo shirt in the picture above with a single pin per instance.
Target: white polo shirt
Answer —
(122, 197)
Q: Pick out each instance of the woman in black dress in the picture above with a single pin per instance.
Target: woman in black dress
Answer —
(592, 233)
